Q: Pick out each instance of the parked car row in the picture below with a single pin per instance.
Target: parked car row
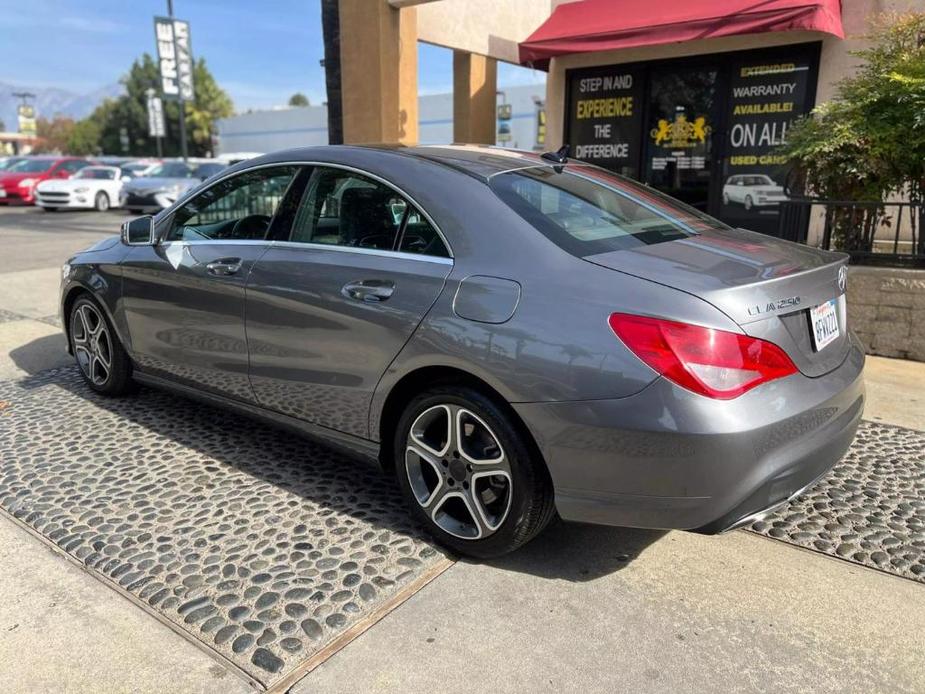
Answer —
(139, 185)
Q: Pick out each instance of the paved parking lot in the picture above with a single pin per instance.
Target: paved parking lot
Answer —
(270, 553)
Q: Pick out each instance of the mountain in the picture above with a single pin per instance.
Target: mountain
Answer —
(52, 101)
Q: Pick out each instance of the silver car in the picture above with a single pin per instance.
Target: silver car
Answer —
(511, 335)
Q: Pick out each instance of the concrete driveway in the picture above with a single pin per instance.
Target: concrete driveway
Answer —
(581, 608)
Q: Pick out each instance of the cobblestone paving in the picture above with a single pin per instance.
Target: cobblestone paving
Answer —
(7, 316)
(869, 509)
(260, 544)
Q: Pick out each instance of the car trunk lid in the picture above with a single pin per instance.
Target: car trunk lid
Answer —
(766, 285)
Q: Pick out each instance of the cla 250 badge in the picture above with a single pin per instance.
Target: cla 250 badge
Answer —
(774, 306)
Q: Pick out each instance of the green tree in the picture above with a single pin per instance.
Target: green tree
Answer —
(130, 112)
(53, 134)
(299, 99)
(869, 141)
(210, 104)
(84, 138)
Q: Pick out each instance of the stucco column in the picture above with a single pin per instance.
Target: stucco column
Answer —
(379, 72)
(475, 83)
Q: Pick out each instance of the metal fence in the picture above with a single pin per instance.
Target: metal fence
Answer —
(872, 233)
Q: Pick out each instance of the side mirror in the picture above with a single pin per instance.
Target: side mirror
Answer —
(139, 232)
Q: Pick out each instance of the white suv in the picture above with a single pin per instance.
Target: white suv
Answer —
(752, 190)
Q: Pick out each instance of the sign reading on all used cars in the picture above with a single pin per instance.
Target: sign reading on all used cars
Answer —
(765, 96)
(175, 57)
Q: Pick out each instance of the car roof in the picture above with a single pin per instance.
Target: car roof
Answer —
(479, 161)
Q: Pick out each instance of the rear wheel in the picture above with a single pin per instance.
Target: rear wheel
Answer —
(103, 362)
(469, 474)
(101, 202)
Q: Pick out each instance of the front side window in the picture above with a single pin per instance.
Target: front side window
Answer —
(343, 208)
(597, 212)
(238, 208)
(74, 165)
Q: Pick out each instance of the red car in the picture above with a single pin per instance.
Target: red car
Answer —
(17, 184)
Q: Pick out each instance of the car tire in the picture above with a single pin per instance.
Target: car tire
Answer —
(101, 202)
(50, 209)
(748, 202)
(103, 362)
(482, 494)
(725, 198)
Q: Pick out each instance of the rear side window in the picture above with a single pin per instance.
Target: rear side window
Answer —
(344, 208)
(589, 211)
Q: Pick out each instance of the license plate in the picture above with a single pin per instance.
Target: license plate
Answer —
(823, 321)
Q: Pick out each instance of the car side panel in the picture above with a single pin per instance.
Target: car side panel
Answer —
(317, 354)
(187, 324)
(558, 346)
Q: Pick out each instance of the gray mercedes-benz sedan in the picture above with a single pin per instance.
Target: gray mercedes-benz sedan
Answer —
(512, 335)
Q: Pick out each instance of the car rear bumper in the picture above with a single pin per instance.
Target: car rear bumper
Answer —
(667, 458)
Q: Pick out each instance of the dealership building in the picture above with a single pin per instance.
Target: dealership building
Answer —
(693, 98)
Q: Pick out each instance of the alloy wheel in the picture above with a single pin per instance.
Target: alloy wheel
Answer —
(92, 344)
(458, 471)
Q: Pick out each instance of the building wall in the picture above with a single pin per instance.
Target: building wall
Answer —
(487, 27)
(836, 60)
(886, 308)
(268, 131)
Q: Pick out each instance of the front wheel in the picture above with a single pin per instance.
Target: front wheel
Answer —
(469, 474)
(101, 202)
(748, 202)
(50, 209)
(103, 362)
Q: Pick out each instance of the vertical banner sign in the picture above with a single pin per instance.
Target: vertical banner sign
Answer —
(155, 115)
(765, 97)
(26, 116)
(184, 59)
(605, 117)
(166, 56)
(175, 57)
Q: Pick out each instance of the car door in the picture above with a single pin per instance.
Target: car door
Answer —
(330, 306)
(183, 298)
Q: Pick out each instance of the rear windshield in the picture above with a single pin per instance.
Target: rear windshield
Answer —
(586, 210)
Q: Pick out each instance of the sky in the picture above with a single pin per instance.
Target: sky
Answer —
(260, 52)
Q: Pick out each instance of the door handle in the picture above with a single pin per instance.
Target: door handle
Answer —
(369, 291)
(224, 266)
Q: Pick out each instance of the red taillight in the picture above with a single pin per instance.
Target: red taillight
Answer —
(710, 362)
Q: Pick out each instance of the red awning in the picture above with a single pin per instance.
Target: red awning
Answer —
(603, 25)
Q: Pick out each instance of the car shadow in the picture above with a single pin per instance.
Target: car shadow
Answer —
(41, 354)
(578, 552)
(565, 551)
